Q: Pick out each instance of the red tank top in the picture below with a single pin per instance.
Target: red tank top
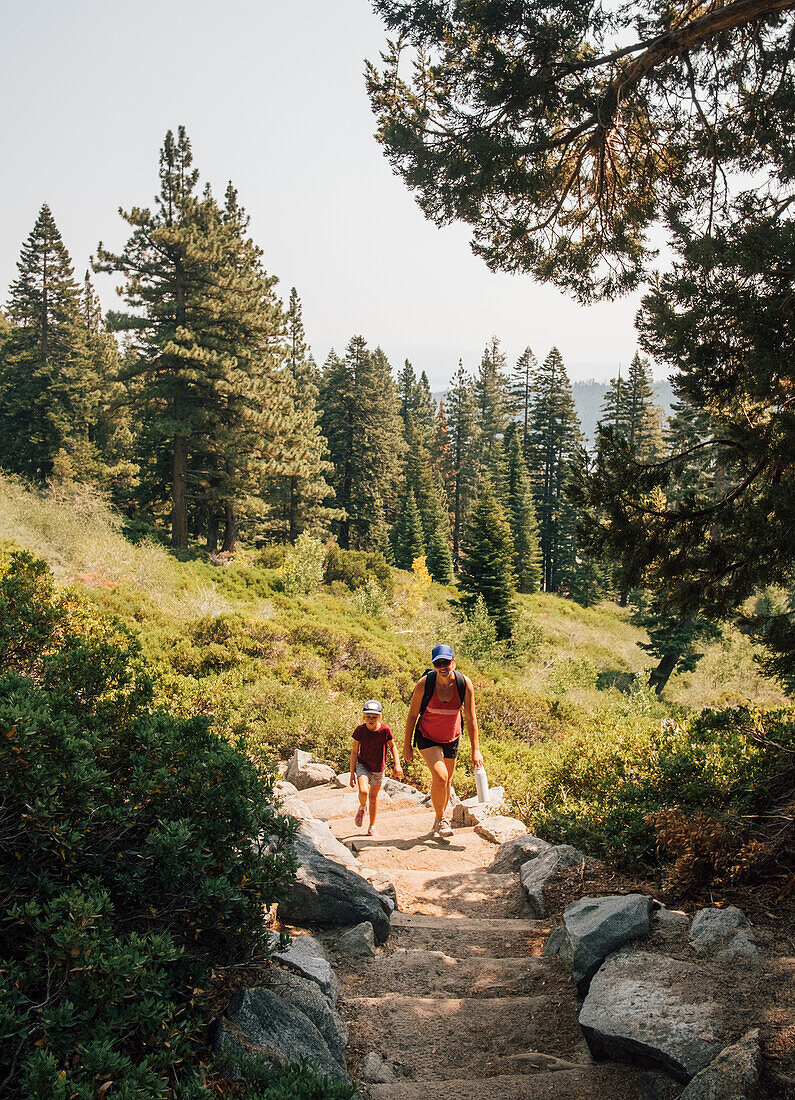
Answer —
(441, 722)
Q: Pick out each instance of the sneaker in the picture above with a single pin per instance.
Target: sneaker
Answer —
(359, 817)
(372, 831)
(442, 827)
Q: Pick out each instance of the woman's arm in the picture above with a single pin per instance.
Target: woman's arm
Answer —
(411, 720)
(354, 758)
(472, 723)
(396, 758)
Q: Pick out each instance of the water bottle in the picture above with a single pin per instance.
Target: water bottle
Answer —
(482, 784)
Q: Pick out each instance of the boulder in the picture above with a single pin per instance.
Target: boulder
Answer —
(594, 928)
(669, 923)
(305, 956)
(499, 829)
(358, 942)
(375, 1071)
(732, 1075)
(724, 934)
(319, 833)
(653, 1010)
(289, 801)
(537, 873)
(303, 771)
(513, 853)
(304, 994)
(472, 812)
(264, 1023)
(329, 894)
(397, 789)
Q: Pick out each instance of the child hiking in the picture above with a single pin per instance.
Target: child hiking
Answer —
(368, 760)
(434, 721)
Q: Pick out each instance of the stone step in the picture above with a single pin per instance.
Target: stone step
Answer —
(465, 937)
(432, 973)
(459, 893)
(462, 1037)
(463, 851)
(591, 1083)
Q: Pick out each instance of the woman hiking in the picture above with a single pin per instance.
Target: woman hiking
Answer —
(436, 701)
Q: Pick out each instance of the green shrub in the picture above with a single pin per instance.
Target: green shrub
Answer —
(303, 566)
(353, 567)
(138, 851)
(370, 599)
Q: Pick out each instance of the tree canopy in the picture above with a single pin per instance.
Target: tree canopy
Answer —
(562, 132)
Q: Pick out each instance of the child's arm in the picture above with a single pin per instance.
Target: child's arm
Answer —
(396, 758)
(354, 758)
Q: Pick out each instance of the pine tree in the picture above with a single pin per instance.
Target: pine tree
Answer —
(521, 391)
(408, 537)
(424, 416)
(299, 499)
(463, 434)
(522, 519)
(431, 505)
(49, 388)
(209, 337)
(407, 391)
(494, 408)
(643, 416)
(553, 437)
(361, 422)
(487, 562)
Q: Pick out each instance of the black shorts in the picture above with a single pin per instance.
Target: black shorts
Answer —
(449, 748)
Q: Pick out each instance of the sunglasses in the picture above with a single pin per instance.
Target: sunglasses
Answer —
(442, 666)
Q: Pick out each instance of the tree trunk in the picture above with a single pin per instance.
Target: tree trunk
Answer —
(230, 528)
(661, 674)
(293, 510)
(179, 510)
(212, 530)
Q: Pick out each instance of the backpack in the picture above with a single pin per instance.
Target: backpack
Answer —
(430, 684)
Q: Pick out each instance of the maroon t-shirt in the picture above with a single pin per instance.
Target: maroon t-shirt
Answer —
(372, 746)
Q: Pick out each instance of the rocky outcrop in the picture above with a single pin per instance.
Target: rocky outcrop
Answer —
(308, 997)
(499, 829)
(328, 894)
(306, 957)
(470, 811)
(513, 853)
(260, 1021)
(304, 771)
(733, 1075)
(594, 928)
(723, 934)
(653, 1010)
(537, 873)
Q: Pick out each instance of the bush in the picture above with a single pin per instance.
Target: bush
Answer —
(303, 566)
(353, 567)
(478, 637)
(370, 599)
(138, 852)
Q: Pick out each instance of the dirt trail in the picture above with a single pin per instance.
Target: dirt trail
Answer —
(460, 1002)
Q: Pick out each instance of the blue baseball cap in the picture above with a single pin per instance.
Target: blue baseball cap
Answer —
(442, 653)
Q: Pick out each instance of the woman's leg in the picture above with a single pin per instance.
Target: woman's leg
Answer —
(440, 778)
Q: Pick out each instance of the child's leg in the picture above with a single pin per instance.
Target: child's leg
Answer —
(364, 789)
(374, 789)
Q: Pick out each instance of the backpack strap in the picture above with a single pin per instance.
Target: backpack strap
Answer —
(430, 684)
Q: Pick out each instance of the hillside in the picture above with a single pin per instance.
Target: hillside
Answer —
(282, 672)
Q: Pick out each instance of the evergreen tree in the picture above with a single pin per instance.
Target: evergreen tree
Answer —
(553, 437)
(49, 387)
(522, 519)
(432, 508)
(361, 422)
(407, 391)
(614, 406)
(643, 416)
(424, 415)
(300, 497)
(494, 408)
(408, 536)
(521, 391)
(463, 434)
(487, 562)
(208, 330)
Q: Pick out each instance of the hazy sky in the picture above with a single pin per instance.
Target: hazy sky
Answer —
(272, 96)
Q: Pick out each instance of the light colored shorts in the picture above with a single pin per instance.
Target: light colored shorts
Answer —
(376, 778)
